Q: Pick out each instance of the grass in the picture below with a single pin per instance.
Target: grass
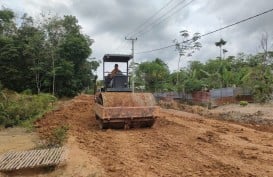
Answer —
(243, 103)
(59, 135)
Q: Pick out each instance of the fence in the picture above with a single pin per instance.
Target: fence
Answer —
(172, 95)
(228, 92)
(214, 96)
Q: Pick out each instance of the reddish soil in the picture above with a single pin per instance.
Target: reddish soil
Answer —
(179, 144)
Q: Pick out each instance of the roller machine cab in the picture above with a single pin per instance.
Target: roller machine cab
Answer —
(116, 106)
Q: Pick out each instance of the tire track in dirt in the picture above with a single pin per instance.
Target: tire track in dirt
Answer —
(225, 147)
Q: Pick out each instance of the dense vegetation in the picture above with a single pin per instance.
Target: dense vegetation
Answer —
(47, 55)
(23, 109)
(39, 58)
(249, 71)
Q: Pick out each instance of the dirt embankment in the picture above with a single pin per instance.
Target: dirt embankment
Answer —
(255, 116)
(179, 144)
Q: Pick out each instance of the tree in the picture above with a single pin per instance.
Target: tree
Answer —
(7, 24)
(192, 84)
(220, 44)
(187, 47)
(70, 49)
(50, 55)
(260, 83)
(9, 56)
(75, 48)
(152, 75)
(32, 45)
(54, 32)
(224, 52)
(259, 78)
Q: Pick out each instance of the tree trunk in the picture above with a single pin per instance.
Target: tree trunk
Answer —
(220, 52)
(53, 77)
(37, 78)
(178, 69)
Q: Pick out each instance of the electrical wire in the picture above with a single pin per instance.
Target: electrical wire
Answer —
(158, 19)
(159, 22)
(211, 32)
(150, 18)
(122, 44)
(145, 25)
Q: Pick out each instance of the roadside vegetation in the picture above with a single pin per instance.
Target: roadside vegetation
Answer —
(23, 109)
(58, 136)
(46, 54)
(42, 59)
(251, 72)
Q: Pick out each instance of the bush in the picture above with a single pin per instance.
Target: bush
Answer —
(89, 91)
(27, 92)
(260, 83)
(23, 109)
(243, 103)
(58, 136)
(193, 85)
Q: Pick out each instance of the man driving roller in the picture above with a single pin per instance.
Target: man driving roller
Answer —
(115, 71)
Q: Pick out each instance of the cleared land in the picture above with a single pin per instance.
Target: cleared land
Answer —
(179, 144)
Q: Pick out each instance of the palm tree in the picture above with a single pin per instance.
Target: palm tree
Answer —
(224, 52)
(220, 44)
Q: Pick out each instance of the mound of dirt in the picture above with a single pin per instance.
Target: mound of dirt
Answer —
(253, 118)
(76, 114)
(172, 104)
(253, 115)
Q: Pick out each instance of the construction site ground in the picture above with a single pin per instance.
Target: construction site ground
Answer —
(185, 141)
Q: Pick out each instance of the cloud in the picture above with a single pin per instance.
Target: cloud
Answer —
(108, 22)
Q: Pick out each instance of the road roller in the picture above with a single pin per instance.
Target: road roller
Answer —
(116, 106)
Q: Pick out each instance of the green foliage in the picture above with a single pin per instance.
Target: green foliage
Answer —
(24, 109)
(189, 44)
(7, 25)
(220, 44)
(47, 56)
(152, 75)
(243, 103)
(27, 92)
(89, 91)
(59, 136)
(242, 71)
(192, 85)
(260, 82)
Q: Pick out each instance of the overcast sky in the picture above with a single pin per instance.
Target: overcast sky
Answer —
(109, 21)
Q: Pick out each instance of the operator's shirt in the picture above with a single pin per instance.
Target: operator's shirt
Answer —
(114, 72)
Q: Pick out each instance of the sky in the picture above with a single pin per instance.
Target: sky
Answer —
(108, 22)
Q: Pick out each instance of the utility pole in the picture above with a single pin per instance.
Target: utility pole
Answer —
(133, 62)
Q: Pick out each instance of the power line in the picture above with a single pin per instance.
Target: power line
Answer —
(236, 23)
(158, 19)
(146, 25)
(206, 34)
(130, 34)
(151, 17)
(142, 25)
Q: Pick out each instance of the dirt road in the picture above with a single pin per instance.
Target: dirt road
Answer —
(179, 144)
